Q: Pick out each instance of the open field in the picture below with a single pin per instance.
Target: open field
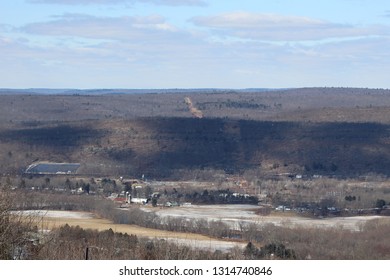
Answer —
(53, 219)
(236, 216)
(239, 215)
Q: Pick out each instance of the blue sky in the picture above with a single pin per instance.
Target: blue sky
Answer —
(194, 43)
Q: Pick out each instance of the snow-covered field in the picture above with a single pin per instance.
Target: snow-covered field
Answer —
(214, 212)
(88, 220)
(55, 214)
(234, 215)
(239, 215)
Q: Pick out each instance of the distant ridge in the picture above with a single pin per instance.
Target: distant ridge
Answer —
(49, 91)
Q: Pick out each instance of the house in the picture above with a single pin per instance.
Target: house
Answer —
(171, 204)
(282, 208)
(139, 200)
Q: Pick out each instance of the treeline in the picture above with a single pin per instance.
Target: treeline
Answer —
(75, 243)
(109, 245)
(223, 196)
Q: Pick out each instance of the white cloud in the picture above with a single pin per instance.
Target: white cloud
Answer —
(275, 27)
(251, 20)
(114, 2)
(124, 28)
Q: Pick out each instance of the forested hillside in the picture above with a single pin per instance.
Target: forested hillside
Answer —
(344, 132)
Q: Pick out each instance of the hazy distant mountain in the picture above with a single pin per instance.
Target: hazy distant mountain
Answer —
(124, 91)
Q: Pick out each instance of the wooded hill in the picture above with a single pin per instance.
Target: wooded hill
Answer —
(325, 131)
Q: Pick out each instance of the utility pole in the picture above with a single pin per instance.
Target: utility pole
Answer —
(86, 253)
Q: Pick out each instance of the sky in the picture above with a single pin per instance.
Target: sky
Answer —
(194, 43)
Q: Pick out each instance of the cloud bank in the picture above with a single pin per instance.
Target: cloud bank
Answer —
(273, 27)
(106, 28)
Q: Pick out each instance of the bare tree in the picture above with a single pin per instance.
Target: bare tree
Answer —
(14, 229)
